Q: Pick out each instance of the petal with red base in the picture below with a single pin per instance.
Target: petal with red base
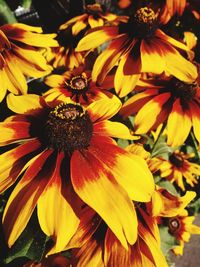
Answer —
(130, 171)
(179, 117)
(23, 199)
(12, 162)
(13, 131)
(56, 216)
(96, 186)
(144, 119)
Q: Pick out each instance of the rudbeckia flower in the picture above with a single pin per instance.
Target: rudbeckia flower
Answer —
(182, 228)
(96, 245)
(173, 102)
(20, 56)
(77, 85)
(137, 46)
(95, 15)
(68, 155)
(72, 31)
(177, 169)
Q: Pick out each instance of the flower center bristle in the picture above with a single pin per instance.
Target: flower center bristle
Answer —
(174, 225)
(176, 159)
(145, 15)
(68, 128)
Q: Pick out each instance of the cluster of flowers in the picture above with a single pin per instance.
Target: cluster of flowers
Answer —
(110, 78)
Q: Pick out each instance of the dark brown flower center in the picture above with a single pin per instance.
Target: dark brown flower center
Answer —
(68, 128)
(186, 92)
(176, 159)
(174, 225)
(143, 23)
(145, 15)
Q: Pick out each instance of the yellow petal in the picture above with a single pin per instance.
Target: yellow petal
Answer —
(144, 119)
(56, 216)
(181, 118)
(24, 104)
(97, 37)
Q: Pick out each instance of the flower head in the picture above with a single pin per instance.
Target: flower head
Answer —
(137, 46)
(177, 169)
(69, 159)
(76, 84)
(172, 102)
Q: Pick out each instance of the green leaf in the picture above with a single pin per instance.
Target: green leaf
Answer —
(161, 149)
(6, 15)
(123, 143)
(26, 3)
(168, 185)
(168, 241)
(31, 244)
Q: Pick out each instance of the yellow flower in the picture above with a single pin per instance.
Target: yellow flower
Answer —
(177, 169)
(20, 56)
(170, 101)
(77, 85)
(70, 33)
(137, 46)
(182, 228)
(69, 157)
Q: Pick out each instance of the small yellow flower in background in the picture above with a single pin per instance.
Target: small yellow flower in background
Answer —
(137, 46)
(77, 84)
(178, 169)
(72, 31)
(20, 56)
(182, 228)
(173, 102)
(94, 16)
(68, 158)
